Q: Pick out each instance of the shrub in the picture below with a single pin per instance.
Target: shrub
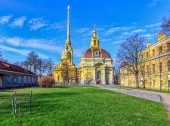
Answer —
(46, 81)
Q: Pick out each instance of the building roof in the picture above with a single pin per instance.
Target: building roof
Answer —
(90, 53)
(13, 68)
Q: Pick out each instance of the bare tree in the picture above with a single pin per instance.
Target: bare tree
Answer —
(50, 66)
(32, 60)
(37, 65)
(128, 55)
(42, 66)
(25, 64)
(165, 26)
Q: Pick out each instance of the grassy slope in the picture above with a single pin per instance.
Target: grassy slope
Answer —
(82, 106)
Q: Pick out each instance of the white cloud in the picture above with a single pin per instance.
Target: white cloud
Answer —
(82, 30)
(43, 44)
(37, 23)
(138, 30)
(23, 52)
(117, 29)
(106, 40)
(117, 42)
(153, 25)
(5, 19)
(78, 52)
(125, 33)
(19, 22)
(14, 41)
(14, 50)
(149, 36)
(58, 26)
(153, 3)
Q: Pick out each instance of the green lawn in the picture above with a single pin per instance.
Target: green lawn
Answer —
(147, 89)
(81, 106)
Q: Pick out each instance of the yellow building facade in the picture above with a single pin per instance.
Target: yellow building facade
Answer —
(155, 62)
(65, 70)
(95, 67)
(96, 64)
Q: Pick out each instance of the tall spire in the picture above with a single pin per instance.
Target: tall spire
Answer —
(95, 41)
(68, 24)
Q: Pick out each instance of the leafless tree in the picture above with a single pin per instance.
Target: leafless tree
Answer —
(32, 60)
(117, 75)
(42, 66)
(165, 26)
(128, 55)
(50, 66)
(37, 65)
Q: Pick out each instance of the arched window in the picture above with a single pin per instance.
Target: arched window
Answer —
(94, 42)
(98, 74)
(168, 66)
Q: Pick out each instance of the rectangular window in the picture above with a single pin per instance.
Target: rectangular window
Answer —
(153, 52)
(25, 79)
(147, 55)
(160, 67)
(160, 83)
(19, 79)
(168, 83)
(15, 79)
(168, 46)
(32, 79)
(168, 65)
(147, 69)
(160, 49)
(153, 68)
(153, 83)
(28, 79)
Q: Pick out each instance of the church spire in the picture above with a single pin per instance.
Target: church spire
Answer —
(68, 24)
(95, 41)
(68, 51)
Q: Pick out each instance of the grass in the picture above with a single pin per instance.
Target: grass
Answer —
(147, 89)
(81, 106)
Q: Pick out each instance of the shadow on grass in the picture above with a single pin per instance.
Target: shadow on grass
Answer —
(6, 90)
(41, 103)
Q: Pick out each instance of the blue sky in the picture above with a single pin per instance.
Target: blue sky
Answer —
(40, 25)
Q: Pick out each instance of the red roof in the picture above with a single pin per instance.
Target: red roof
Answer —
(13, 68)
(90, 53)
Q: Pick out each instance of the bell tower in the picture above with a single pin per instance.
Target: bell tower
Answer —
(95, 41)
(68, 51)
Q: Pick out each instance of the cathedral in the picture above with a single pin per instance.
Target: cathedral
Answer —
(65, 71)
(96, 64)
(95, 67)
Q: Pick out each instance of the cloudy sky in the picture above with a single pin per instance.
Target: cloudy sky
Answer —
(40, 25)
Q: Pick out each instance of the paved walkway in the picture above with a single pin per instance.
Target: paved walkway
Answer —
(150, 95)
